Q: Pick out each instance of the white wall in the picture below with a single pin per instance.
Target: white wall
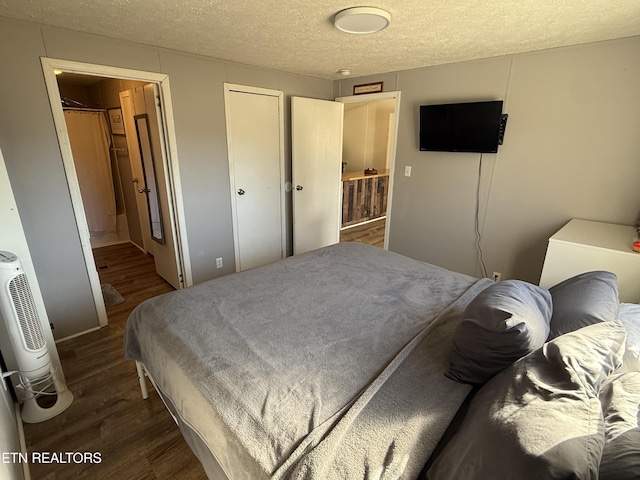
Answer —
(366, 134)
(571, 149)
(32, 154)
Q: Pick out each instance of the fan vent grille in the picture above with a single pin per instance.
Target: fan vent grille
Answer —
(26, 311)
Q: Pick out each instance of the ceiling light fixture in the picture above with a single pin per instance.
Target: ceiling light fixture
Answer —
(362, 20)
(345, 72)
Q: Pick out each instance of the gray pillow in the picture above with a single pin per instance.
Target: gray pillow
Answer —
(504, 322)
(582, 300)
(540, 417)
(620, 398)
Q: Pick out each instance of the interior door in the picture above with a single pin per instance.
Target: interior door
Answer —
(128, 114)
(147, 152)
(255, 142)
(161, 218)
(316, 131)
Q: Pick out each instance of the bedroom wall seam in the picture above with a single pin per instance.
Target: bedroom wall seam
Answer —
(44, 43)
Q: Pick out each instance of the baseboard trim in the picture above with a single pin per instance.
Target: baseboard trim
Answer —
(84, 332)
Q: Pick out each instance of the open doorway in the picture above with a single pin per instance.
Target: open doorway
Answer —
(101, 157)
(115, 132)
(369, 146)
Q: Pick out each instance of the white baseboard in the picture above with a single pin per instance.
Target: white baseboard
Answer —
(78, 334)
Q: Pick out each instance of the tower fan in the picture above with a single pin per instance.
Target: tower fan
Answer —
(38, 377)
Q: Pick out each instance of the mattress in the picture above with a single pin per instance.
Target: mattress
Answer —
(324, 365)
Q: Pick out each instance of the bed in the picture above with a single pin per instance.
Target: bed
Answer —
(345, 362)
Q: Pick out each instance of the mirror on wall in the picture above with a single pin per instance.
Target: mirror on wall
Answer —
(149, 171)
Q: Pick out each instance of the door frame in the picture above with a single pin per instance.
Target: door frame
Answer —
(171, 169)
(232, 87)
(392, 158)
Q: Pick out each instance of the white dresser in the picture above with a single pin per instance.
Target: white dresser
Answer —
(582, 246)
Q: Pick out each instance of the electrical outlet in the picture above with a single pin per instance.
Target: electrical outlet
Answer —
(496, 276)
(407, 171)
(219, 262)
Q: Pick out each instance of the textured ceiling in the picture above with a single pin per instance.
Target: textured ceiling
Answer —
(298, 35)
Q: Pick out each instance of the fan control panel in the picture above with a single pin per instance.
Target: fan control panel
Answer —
(7, 257)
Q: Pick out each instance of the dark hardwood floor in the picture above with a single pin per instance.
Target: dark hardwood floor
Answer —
(136, 438)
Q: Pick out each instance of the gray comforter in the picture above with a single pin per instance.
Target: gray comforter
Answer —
(324, 365)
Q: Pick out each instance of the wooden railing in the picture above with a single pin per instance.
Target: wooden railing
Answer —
(364, 199)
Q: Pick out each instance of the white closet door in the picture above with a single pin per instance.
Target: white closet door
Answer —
(255, 142)
(316, 169)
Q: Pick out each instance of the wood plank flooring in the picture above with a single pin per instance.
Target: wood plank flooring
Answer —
(371, 233)
(137, 438)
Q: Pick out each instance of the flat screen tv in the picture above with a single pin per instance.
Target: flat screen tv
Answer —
(461, 127)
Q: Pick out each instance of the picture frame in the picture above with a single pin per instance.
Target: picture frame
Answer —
(364, 88)
(116, 121)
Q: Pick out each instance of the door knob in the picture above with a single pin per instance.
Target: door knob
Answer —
(299, 187)
(240, 191)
